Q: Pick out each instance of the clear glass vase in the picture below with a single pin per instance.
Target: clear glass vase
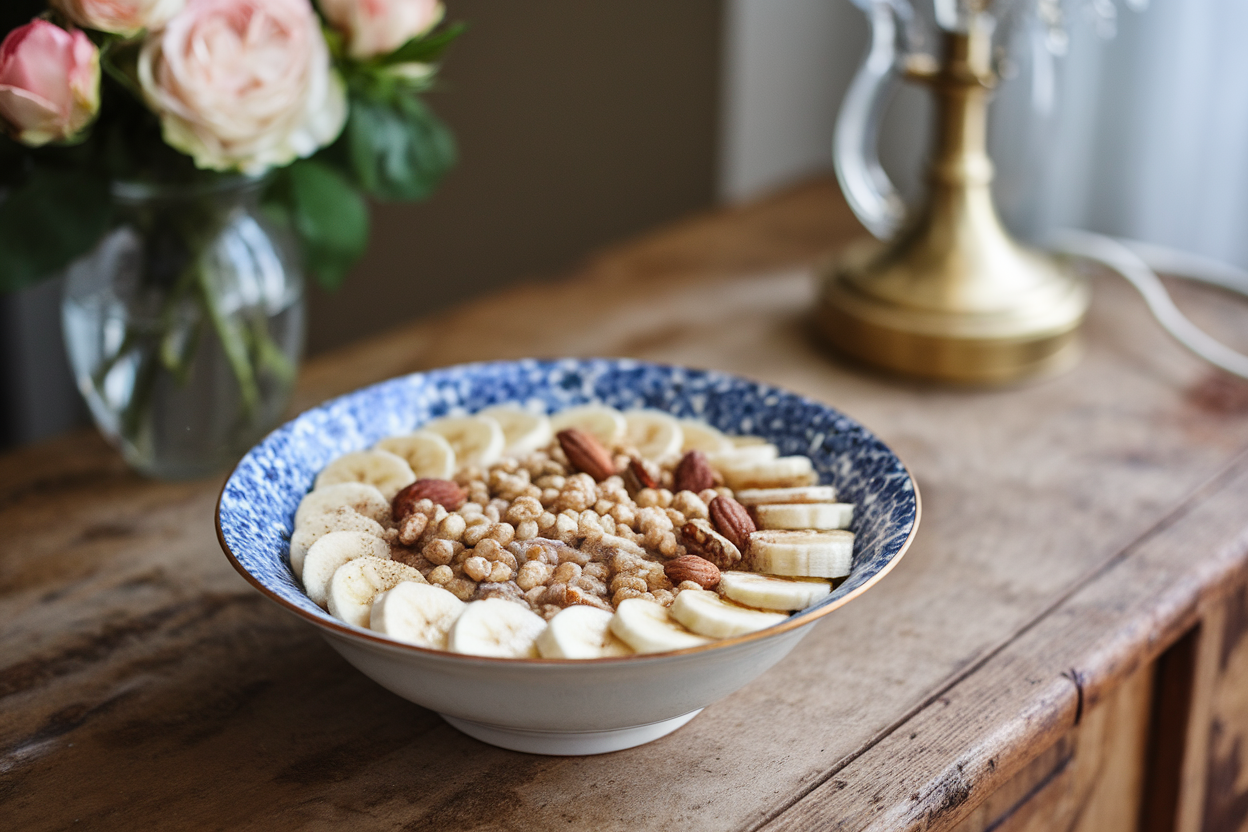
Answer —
(185, 324)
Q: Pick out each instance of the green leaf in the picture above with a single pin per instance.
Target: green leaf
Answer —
(426, 49)
(397, 149)
(48, 221)
(327, 214)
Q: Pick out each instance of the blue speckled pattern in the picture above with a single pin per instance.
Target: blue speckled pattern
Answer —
(258, 503)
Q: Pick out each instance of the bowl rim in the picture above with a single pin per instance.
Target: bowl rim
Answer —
(800, 618)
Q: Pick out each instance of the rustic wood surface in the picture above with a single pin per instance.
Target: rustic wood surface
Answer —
(1223, 803)
(1090, 780)
(1073, 531)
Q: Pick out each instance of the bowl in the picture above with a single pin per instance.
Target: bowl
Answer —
(552, 706)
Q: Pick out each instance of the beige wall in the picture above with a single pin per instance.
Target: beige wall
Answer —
(580, 122)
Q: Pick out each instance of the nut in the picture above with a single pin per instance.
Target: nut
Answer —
(440, 492)
(692, 568)
(636, 477)
(585, 453)
(702, 540)
(732, 521)
(693, 473)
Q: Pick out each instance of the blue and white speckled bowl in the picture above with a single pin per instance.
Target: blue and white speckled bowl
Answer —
(559, 706)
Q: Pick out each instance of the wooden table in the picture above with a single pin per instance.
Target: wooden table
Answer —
(1061, 649)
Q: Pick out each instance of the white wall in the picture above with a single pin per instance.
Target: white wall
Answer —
(1155, 130)
(1145, 135)
(786, 65)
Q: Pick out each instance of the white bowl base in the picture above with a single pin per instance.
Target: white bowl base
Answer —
(568, 743)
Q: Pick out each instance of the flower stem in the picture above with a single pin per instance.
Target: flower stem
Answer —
(232, 342)
(269, 356)
(178, 343)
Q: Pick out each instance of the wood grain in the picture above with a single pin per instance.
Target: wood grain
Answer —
(144, 685)
(1090, 780)
(1037, 688)
(1168, 729)
(1218, 743)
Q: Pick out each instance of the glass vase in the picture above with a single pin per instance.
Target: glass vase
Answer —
(185, 324)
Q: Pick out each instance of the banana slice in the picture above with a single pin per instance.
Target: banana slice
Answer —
(386, 472)
(605, 423)
(705, 613)
(805, 554)
(746, 441)
(648, 628)
(428, 454)
(332, 551)
(653, 433)
(495, 627)
(769, 593)
(523, 430)
(819, 516)
(744, 457)
(314, 528)
(416, 613)
(803, 494)
(699, 436)
(580, 632)
(357, 496)
(477, 440)
(357, 582)
(784, 472)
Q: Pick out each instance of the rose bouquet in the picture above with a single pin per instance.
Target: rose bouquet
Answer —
(108, 107)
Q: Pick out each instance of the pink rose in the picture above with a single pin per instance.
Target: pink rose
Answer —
(122, 17)
(378, 27)
(49, 83)
(243, 84)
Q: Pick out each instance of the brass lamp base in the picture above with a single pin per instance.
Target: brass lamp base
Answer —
(1031, 334)
(953, 297)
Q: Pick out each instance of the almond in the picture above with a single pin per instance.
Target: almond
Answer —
(637, 477)
(701, 539)
(586, 454)
(694, 473)
(732, 521)
(440, 492)
(692, 568)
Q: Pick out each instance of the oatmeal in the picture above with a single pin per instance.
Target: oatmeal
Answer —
(518, 517)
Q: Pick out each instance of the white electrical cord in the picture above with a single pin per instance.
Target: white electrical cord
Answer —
(1139, 263)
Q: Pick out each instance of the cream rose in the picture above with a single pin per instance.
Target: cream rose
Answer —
(378, 27)
(243, 84)
(122, 17)
(49, 83)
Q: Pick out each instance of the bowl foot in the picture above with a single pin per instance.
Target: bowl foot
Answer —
(568, 743)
